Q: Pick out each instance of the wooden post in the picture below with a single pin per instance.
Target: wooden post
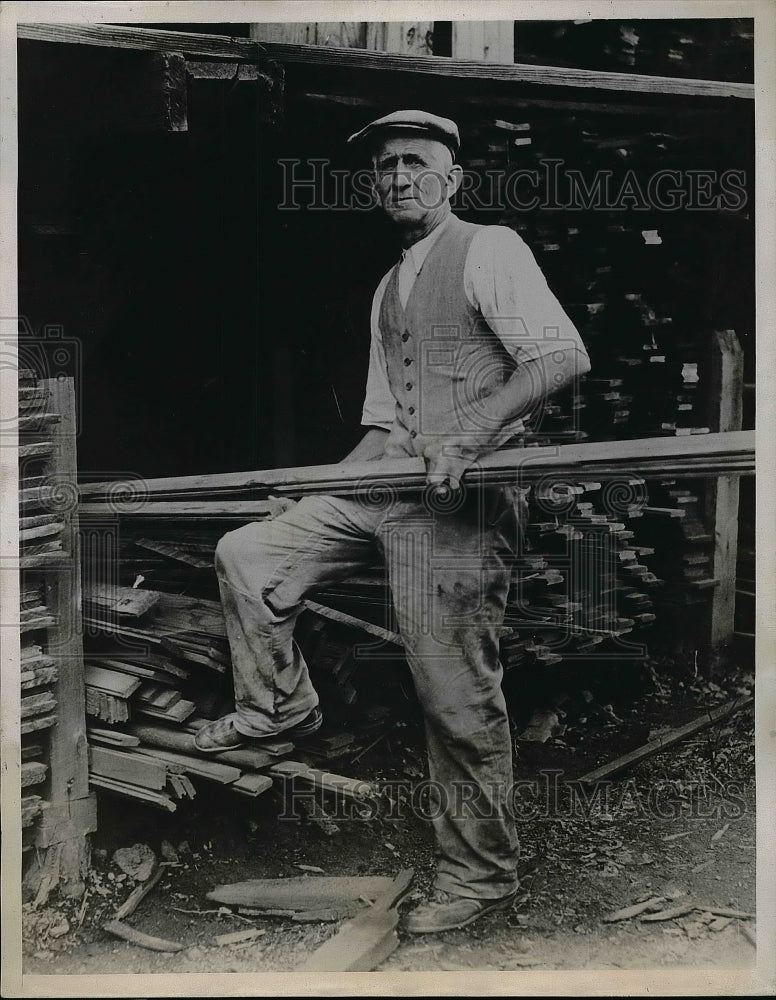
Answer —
(71, 812)
(486, 41)
(726, 390)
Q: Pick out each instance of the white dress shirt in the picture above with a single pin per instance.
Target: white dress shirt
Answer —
(504, 283)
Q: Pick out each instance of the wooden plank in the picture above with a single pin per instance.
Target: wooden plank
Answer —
(112, 736)
(212, 770)
(665, 741)
(367, 939)
(170, 739)
(154, 798)
(726, 380)
(552, 76)
(221, 46)
(344, 619)
(127, 766)
(177, 713)
(129, 602)
(353, 788)
(156, 39)
(664, 456)
(37, 704)
(301, 892)
(252, 784)
(37, 722)
(114, 682)
(179, 510)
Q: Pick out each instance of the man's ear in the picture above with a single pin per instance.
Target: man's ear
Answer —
(454, 178)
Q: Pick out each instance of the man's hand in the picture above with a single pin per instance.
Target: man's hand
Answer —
(447, 458)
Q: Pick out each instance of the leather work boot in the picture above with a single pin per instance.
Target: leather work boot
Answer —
(446, 912)
(222, 734)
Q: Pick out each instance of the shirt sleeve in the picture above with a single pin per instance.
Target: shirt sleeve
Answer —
(503, 281)
(379, 403)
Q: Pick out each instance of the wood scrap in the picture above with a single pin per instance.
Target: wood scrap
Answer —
(627, 912)
(301, 892)
(670, 914)
(252, 784)
(129, 602)
(665, 741)
(122, 930)
(160, 799)
(367, 939)
(238, 937)
(138, 894)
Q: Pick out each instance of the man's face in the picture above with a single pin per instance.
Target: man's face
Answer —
(412, 178)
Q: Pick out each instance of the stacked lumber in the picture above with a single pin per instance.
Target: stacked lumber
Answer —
(158, 696)
(716, 49)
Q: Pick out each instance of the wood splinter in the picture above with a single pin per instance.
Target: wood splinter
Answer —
(127, 933)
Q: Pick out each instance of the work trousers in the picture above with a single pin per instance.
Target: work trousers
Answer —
(448, 572)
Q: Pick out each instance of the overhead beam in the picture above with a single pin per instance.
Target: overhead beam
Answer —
(221, 46)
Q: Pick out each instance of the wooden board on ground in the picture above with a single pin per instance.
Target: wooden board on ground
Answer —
(665, 741)
(301, 892)
(367, 939)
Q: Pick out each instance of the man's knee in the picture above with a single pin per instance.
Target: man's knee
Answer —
(236, 546)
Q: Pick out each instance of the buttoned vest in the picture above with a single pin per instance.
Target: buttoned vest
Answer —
(441, 355)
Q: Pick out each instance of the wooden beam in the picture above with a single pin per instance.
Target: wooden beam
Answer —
(551, 76)
(153, 39)
(726, 395)
(221, 46)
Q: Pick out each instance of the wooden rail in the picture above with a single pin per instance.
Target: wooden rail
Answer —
(223, 47)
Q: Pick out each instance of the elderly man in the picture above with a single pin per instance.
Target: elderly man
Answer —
(466, 340)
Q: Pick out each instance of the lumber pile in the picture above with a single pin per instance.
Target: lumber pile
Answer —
(148, 701)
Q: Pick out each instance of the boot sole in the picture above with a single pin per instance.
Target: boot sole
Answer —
(500, 904)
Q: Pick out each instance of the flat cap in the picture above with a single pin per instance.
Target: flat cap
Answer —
(443, 129)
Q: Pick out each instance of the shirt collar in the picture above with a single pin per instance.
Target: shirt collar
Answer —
(417, 253)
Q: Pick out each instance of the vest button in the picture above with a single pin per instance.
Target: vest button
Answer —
(411, 410)
(408, 386)
(407, 361)
(405, 337)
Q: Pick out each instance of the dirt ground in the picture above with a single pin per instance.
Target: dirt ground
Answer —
(681, 825)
